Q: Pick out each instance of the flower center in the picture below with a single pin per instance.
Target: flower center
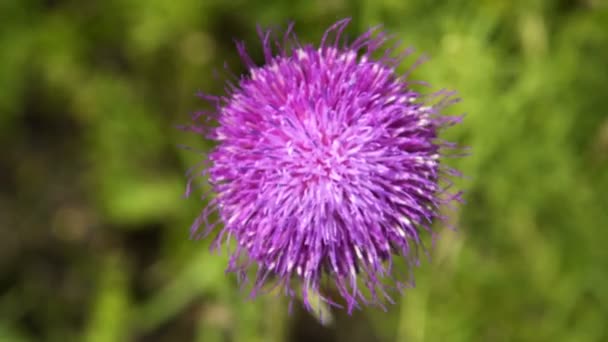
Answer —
(318, 158)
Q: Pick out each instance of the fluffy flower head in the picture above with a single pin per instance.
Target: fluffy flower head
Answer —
(326, 166)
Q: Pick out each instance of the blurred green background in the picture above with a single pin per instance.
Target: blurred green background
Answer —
(94, 230)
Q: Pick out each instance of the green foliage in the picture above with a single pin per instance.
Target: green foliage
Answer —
(94, 241)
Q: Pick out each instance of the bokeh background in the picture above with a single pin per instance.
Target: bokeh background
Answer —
(94, 231)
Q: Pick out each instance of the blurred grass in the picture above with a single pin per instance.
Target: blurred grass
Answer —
(93, 245)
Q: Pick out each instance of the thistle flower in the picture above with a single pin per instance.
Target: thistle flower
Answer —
(326, 167)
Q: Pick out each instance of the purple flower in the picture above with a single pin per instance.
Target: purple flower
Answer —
(327, 167)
